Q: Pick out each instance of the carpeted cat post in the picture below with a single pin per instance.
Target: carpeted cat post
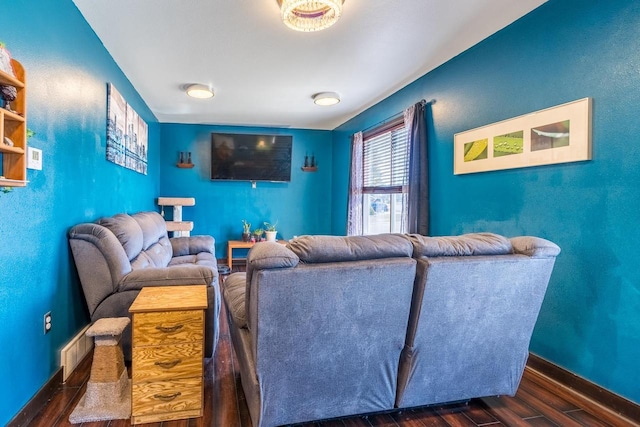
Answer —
(108, 394)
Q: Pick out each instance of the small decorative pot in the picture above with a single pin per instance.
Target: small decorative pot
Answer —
(246, 237)
(271, 236)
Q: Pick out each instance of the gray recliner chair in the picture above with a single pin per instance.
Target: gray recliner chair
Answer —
(117, 256)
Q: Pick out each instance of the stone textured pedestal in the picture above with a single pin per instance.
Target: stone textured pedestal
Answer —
(108, 394)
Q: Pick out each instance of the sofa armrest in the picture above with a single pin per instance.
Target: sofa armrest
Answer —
(534, 247)
(167, 276)
(192, 245)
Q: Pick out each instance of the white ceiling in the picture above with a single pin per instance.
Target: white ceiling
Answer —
(265, 74)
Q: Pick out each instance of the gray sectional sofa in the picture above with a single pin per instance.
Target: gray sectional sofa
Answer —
(117, 256)
(334, 326)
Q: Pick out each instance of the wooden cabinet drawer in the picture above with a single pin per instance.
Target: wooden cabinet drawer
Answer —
(167, 362)
(168, 327)
(166, 396)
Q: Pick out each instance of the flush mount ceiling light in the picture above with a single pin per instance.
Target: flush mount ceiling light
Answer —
(326, 98)
(310, 15)
(199, 91)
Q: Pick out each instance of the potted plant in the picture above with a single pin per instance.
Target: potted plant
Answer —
(257, 235)
(270, 231)
(246, 231)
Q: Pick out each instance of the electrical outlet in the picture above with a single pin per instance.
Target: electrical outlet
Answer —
(47, 322)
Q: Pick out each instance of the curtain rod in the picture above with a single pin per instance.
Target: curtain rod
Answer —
(397, 115)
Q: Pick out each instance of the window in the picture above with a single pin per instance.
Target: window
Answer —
(383, 197)
(385, 177)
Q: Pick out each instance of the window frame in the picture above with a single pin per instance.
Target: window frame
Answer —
(388, 127)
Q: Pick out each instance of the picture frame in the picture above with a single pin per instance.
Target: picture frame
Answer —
(558, 134)
(127, 133)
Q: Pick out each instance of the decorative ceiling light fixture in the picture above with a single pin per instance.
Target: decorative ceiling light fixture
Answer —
(326, 98)
(199, 91)
(310, 15)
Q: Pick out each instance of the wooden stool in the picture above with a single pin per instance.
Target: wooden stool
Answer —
(108, 394)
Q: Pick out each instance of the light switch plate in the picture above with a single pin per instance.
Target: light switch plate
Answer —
(34, 158)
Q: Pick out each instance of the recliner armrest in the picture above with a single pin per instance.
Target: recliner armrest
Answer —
(192, 245)
(167, 276)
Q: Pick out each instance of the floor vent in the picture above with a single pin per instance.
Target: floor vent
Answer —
(73, 353)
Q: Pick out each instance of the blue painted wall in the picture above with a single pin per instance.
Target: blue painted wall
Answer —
(302, 206)
(67, 71)
(563, 51)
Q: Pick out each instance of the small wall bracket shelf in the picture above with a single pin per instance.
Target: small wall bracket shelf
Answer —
(179, 227)
(184, 160)
(309, 166)
(13, 127)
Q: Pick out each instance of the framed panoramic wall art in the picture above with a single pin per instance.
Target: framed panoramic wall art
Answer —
(127, 133)
(554, 135)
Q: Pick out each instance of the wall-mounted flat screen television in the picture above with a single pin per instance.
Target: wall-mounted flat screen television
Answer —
(247, 157)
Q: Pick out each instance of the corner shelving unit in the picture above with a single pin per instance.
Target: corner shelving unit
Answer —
(179, 227)
(13, 125)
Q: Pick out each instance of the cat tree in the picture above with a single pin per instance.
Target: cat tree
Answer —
(179, 227)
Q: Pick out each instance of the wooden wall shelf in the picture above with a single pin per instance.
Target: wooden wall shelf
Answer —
(4, 148)
(10, 115)
(6, 78)
(185, 165)
(309, 169)
(13, 125)
(5, 182)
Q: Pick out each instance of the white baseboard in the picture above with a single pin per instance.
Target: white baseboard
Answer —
(73, 353)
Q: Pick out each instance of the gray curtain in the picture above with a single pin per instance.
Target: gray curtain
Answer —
(418, 194)
(356, 180)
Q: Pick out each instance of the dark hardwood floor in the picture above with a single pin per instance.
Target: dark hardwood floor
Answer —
(539, 402)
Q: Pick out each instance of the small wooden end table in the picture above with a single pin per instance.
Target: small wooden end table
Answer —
(167, 353)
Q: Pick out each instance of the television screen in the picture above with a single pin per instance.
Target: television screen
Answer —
(245, 157)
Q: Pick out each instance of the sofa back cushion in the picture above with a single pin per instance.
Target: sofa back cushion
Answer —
(127, 231)
(464, 245)
(535, 247)
(155, 244)
(318, 249)
(153, 227)
(143, 237)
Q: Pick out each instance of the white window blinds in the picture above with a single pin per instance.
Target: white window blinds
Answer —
(386, 161)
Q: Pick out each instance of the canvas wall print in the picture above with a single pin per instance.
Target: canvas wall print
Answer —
(127, 133)
(554, 135)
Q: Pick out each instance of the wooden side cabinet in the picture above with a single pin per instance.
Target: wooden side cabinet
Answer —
(167, 353)
(13, 129)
